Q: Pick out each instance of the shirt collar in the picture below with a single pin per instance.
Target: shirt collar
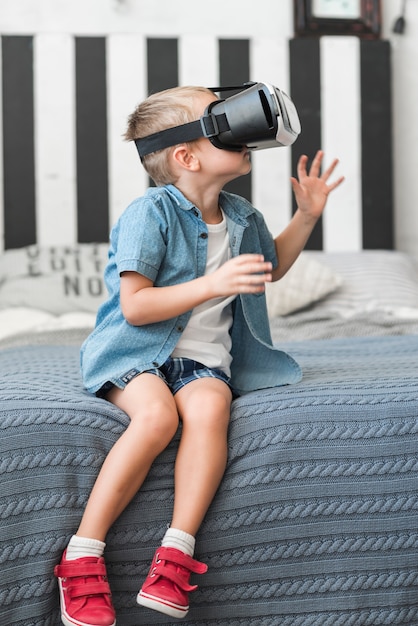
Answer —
(235, 207)
(179, 198)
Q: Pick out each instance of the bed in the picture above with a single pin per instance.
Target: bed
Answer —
(316, 520)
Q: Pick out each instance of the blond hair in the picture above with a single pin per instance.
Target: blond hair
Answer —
(159, 111)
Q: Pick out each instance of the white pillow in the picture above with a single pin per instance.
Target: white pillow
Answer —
(372, 280)
(23, 319)
(58, 279)
(306, 282)
(19, 319)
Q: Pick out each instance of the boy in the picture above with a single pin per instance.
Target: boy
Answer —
(185, 326)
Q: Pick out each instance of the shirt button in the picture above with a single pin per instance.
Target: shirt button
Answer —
(155, 363)
(203, 235)
(180, 328)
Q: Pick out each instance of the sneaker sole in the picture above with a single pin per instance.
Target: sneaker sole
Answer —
(163, 606)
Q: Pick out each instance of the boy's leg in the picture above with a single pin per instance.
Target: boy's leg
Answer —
(84, 590)
(204, 407)
(154, 420)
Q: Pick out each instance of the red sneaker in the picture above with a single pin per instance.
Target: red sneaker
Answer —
(84, 592)
(167, 586)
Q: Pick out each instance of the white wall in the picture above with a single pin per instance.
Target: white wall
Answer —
(153, 17)
(405, 120)
(265, 20)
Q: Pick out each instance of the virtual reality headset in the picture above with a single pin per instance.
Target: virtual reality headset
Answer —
(258, 116)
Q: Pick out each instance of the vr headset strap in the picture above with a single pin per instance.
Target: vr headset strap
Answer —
(209, 125)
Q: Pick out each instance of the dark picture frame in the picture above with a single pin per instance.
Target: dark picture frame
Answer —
(368, 26)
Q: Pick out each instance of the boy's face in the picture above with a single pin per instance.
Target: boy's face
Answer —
(224, 164)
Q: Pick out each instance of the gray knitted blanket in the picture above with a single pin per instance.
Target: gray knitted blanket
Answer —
(315, 523)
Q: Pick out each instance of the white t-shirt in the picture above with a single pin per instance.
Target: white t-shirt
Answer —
(206, 337)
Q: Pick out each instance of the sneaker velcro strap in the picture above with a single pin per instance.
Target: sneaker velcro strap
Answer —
(73, 570)
(89, 589)
(168, 572)
(184, 560)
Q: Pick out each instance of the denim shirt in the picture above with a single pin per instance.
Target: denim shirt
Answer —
(162, 236)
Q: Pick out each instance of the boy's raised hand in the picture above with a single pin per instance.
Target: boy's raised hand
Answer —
(311, 188)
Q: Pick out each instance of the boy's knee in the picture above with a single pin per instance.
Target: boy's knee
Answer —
(159, 420)
(211, 410)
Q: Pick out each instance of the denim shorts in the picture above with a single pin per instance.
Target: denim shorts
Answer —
(178, 372)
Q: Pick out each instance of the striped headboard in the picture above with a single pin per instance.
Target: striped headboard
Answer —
(67, 173)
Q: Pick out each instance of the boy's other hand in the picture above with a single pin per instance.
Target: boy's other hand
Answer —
(246, 273)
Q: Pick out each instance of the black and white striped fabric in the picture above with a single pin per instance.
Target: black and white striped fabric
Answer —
(67, 173)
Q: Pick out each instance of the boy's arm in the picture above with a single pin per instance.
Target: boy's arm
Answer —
(311, 192)
(142, 303)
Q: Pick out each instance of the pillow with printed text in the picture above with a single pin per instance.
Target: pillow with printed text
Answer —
(56, 279)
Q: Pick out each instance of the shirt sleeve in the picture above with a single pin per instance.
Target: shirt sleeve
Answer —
(139, 240)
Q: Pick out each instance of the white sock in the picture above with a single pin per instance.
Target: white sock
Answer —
(179, 539)
(83, 546)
